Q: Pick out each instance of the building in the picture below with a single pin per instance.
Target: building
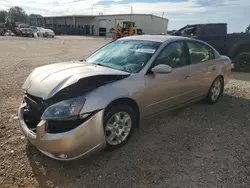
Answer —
(100, 24)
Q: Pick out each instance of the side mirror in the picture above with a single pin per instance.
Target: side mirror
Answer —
(162, 69)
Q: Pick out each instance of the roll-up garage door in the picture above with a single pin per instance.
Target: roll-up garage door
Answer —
(102, 23)
(102, 27)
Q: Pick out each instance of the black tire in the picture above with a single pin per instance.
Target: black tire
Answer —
(242, 62)
(209, 99)
(108, 115)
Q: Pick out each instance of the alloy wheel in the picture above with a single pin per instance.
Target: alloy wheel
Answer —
(118, 128)
(216, 89)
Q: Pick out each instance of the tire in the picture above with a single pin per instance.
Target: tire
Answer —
(121, 132)
(213, 97)
(242, 62)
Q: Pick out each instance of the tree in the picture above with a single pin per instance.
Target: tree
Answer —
(35, 16)
(3, 15)
(17, 14)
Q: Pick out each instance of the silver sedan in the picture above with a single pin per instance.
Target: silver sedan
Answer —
(72, 109)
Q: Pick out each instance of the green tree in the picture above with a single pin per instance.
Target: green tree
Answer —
(35, 16)
(17, 14)
(3, 14)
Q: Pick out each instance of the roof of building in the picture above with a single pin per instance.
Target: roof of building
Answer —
(93, 16)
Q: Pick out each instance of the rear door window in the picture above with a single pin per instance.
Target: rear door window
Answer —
(199, 52)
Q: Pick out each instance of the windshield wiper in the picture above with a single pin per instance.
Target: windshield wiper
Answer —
(102, 65)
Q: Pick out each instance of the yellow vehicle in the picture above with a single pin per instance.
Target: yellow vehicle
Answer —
(126, 28)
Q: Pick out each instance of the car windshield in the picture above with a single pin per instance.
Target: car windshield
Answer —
(126, 55)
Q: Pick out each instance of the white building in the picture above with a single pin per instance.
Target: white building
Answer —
(101, 24)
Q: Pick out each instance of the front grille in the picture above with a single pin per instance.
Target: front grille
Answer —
(63, 126)
(33, 111)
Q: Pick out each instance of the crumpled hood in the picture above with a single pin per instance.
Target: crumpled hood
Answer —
(47, 80)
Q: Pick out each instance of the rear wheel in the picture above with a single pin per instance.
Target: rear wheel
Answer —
(119, 122)
(242, 62)
(215, 90)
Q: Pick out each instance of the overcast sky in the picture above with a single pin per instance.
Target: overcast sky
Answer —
(179, 12)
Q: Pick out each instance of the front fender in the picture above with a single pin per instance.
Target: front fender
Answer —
(101, 97)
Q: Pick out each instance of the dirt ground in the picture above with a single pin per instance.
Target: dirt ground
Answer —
(198, 146)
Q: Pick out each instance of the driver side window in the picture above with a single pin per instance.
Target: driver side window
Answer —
(172, 55)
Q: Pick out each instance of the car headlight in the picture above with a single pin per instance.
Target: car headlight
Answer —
(64, 109)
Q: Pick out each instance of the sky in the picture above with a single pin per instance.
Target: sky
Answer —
(236, 13)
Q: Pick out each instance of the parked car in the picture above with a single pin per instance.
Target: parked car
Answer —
(34, 28)
(234, 45)
(72, 109)
(42, 32)
(24, 30)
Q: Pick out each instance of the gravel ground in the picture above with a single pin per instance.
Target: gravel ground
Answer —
(198, 146)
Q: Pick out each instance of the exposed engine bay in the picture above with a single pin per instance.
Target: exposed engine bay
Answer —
(36, 106)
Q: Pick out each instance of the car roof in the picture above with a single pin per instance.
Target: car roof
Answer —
(154, 38)
(164, 38)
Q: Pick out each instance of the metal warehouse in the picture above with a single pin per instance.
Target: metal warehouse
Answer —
(100, 24)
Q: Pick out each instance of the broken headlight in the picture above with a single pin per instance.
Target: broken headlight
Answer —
(64, 109)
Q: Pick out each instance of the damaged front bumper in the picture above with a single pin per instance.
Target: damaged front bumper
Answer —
(85, 139)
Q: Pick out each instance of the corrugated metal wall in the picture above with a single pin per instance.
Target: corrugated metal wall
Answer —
(99, 25)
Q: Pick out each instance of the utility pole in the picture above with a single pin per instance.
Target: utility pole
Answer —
(162, 14)
(92, 11)
(131, 12)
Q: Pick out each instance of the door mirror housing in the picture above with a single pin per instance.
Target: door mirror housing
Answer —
(162, 69)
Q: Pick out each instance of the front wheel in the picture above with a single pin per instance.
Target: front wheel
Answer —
(119, 122)
(215, 91)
